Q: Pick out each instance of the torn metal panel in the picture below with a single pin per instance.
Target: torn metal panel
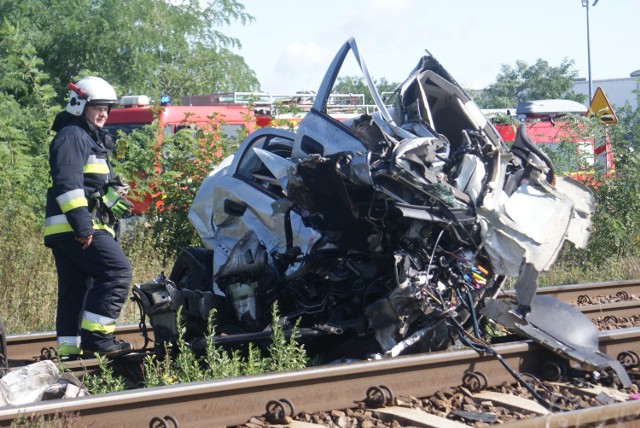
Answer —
(277, 165)
(548, 324)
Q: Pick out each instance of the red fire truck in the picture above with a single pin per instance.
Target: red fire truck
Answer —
(547, 125)
(136, 112)
(284, 110)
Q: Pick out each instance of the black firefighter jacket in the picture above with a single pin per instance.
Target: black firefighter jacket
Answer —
(79, 168)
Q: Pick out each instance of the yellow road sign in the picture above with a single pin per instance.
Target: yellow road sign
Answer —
(601, 108)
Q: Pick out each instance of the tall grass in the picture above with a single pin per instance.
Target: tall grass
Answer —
(28, 279)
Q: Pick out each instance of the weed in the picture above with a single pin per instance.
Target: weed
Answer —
(63, 420)
(217, 363)
(104, 380)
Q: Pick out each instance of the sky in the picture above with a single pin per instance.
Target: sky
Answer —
(291, 43)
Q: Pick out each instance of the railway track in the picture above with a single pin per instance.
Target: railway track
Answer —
(343, 386)
(27, 348)
(231, 402)
(589, 293)
(32, 347)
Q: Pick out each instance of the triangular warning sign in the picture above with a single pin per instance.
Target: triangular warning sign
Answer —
(601, 108)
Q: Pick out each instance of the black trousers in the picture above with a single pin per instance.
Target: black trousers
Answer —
(96, 280)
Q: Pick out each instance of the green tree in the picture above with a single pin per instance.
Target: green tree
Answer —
(26, 113)
(356, 85)
(626, 133)
(140, 46)
(525, 82)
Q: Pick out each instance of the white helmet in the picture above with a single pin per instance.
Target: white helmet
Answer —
(90, 90)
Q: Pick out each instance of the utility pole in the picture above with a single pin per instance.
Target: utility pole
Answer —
(585, 4)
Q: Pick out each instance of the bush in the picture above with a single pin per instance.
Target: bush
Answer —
(616, 222)
(172, 174)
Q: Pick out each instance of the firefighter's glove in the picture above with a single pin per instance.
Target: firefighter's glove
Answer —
(116, 203)
(119, 185)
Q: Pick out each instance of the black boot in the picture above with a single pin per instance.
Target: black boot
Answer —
(102, 344)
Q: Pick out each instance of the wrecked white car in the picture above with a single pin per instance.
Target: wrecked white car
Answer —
(386, 234)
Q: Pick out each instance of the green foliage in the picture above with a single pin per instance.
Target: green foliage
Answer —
(616, 222)
(616, 230)
(104, 381)
(569, 157)
(26, 113)
(526, 82)
(217, 363)
(577, 270)
(286, 116)
(625, 135)
(172, 172)
(285, 352)
(25, 116)
(28, 280)
(357, 85)
(505, 118)
(140, 46)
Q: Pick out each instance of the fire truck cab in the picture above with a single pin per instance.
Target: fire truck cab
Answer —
(136, 112)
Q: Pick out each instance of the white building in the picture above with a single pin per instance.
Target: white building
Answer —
(618, 91)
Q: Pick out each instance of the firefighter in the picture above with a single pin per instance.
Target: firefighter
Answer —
(84, 203)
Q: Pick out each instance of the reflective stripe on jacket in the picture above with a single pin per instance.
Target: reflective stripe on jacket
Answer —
(79, 167)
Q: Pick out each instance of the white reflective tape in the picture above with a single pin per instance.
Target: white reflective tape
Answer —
(70, 195)
(93, 160)
(69, 340)
(56, 219)
(98, 319)
(96, 166)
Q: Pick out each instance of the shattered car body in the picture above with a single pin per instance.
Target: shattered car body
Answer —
(382, 235)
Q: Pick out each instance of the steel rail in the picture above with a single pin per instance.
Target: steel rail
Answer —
(619, 310)
(28, 347)
(571, 292)
(34, 346)
(31, 347)
(233, 401)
